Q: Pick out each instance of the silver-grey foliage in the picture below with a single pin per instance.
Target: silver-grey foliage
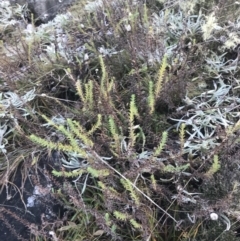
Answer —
(43, 10)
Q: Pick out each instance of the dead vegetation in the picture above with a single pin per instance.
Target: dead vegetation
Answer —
(122, 118)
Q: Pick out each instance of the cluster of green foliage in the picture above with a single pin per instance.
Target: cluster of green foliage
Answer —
(118, 90)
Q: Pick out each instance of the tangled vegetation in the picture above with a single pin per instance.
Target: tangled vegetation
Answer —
(130, 109)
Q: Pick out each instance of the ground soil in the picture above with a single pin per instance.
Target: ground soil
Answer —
(34, 209)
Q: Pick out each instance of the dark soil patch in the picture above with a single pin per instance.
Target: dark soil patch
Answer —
(29, 208)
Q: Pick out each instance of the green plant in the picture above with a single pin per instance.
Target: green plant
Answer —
(97, 89)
